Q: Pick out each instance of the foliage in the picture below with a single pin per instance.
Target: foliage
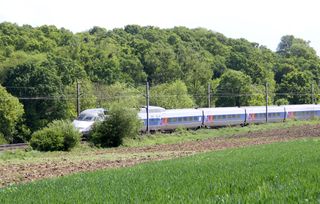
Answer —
(282, 101)
(2, 139)
(42, 83)
(113, 64)
(88, 99)
(290, 46)
(120, 93)
(59, 135)
(298, 84)
(171, 95)
(121, 122)
(11, 113)
(234, 89)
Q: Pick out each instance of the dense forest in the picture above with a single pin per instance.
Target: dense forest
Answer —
(40, 68)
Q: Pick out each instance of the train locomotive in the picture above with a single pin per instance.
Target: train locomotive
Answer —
(161, 119)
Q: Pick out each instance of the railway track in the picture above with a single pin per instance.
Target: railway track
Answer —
(5, 147)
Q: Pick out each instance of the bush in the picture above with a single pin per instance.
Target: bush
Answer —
(282, 101)
(58, 135)
(121, 122)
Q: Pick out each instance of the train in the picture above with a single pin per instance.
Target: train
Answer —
(161, 119)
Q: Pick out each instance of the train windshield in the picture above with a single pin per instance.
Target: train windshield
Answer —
(86, 117)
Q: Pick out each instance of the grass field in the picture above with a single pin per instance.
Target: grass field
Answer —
(21, 156)
(280, 172)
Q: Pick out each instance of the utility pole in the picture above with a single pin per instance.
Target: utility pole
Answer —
(78, 98)
(312, 93)
(266, 88)
(209, 95)
(147, 106)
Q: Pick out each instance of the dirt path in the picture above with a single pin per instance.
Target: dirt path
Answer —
(24, 172)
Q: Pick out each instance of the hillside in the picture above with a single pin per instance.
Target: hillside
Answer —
(42, 65)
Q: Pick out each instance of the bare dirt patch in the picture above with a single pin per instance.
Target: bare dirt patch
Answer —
(24, 172)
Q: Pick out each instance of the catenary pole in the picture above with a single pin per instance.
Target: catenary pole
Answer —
(78, 98)
(312, 93)
(266, 88)
(209, 95)
(147, 106)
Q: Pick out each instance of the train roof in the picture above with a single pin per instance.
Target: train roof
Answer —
(303, 107)
(182, 112)
(152, 109)
(223, 110)
(94, 111)
(262, 109)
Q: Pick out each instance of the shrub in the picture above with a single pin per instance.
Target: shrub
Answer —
(58, 135)
(121, 122)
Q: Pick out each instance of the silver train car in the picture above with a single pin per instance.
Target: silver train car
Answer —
(161, 119)
(171, 119)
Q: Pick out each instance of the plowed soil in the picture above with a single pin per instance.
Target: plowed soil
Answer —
(23, 172)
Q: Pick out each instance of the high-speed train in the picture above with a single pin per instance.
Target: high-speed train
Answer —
(161, 119)
(87, 118)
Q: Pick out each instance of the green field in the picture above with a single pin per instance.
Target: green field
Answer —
(85, 152)
(281, 172)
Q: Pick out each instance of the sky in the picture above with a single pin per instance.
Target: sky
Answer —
(261, 21)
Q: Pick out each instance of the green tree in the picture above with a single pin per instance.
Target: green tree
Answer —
(296, 87)
(290, 46)
(41, 92)
(234, 89)
(171, 95)
(119, 93)
(11, 113)
(161, 66)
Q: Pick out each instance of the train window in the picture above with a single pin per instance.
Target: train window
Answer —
(238, 116)
(180, 119)
(229, 116)
(172, 120)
